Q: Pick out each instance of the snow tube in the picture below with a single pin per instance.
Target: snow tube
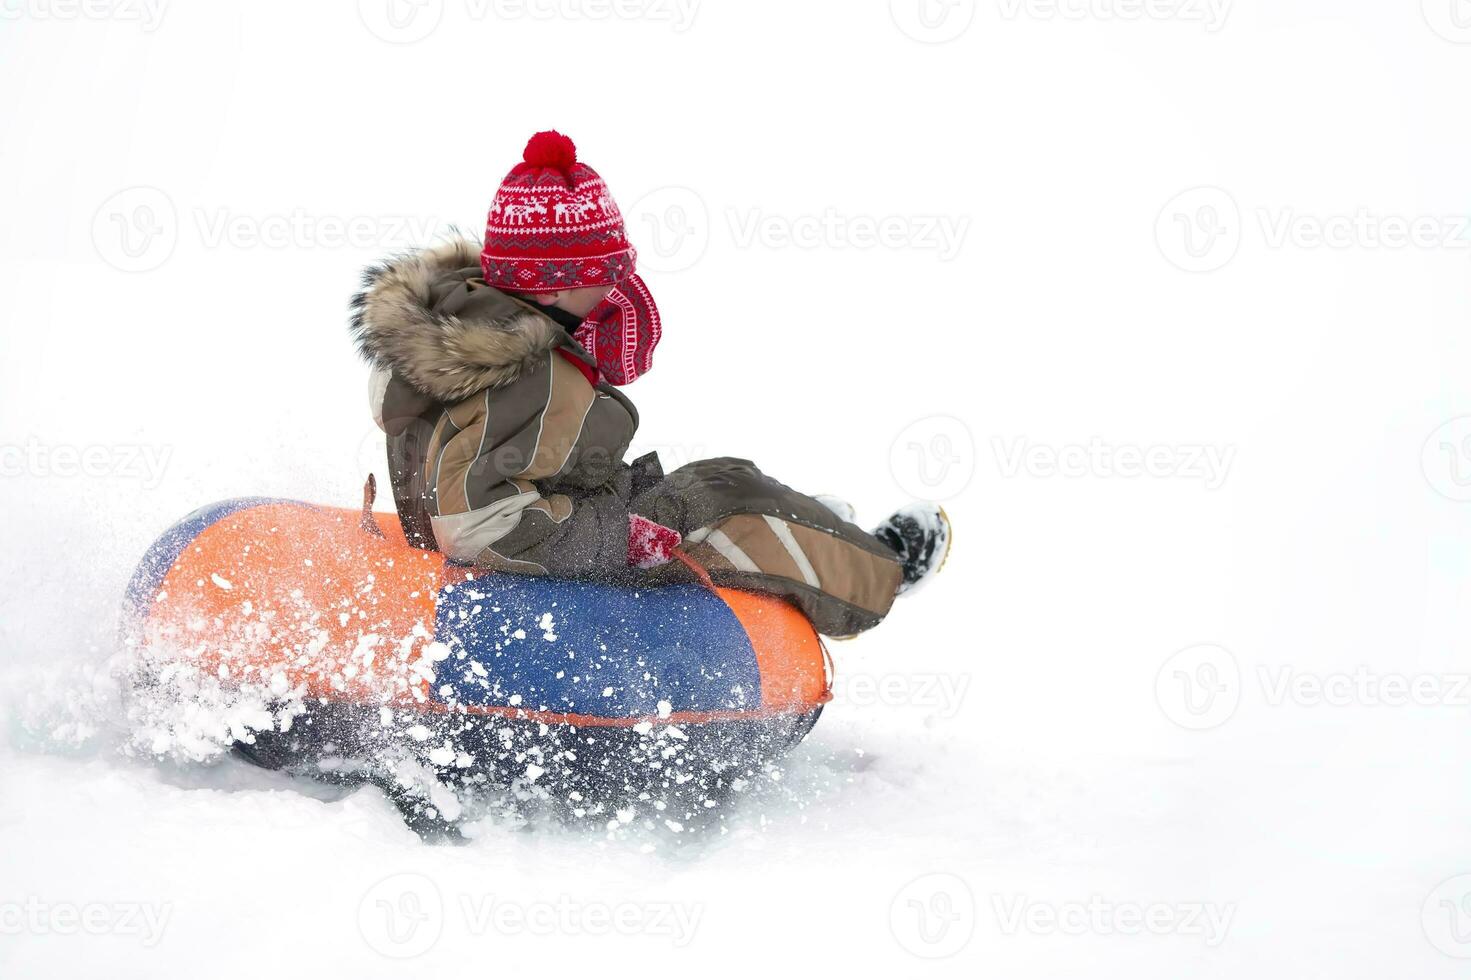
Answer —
(382, 644)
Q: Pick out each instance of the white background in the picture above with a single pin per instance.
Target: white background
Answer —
(1087, 303)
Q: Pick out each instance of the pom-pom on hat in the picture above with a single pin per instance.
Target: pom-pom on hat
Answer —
(549, 150)
(553, 225)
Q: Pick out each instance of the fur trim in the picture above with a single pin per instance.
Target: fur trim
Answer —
(445, 357)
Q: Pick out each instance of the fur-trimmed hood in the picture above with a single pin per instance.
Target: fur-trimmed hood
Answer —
(400, 322)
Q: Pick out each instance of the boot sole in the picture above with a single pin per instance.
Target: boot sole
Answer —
(944, 556)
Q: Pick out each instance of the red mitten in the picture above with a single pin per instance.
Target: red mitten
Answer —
(650, 544)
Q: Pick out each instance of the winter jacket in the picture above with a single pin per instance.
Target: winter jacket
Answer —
(500, 451)
(503, 455)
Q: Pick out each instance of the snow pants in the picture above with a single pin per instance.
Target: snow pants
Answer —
(749, 531)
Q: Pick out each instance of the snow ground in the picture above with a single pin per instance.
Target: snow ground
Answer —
(1024, 773)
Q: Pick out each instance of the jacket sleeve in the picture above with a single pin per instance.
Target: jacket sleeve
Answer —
(522, 530)
(530, 477)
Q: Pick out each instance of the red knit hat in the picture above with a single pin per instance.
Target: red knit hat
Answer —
(553, 225)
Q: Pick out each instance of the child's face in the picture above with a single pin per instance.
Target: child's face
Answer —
(579, 301)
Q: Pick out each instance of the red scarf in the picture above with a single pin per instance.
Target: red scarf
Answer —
(621, 332)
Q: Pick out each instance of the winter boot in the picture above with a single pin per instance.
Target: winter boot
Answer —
(920, 535)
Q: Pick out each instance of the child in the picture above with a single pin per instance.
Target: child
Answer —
(496, 380)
